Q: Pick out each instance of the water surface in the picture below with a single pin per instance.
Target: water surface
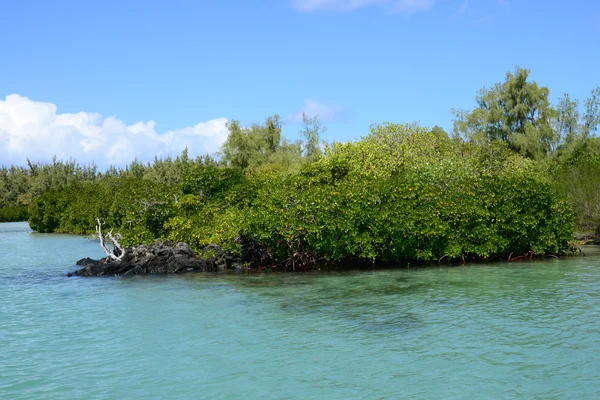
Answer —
(521, 330)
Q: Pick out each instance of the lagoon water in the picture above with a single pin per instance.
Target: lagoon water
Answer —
(521, 330)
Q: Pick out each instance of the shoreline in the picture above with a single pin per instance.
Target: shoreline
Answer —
(585, 249)
(157, 263)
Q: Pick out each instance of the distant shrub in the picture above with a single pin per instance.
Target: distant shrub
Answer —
(14, 213)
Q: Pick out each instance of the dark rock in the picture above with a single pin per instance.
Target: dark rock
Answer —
(214, 249)
(157, 258)
(86, 261)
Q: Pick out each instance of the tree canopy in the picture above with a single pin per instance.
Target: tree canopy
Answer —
(515, 111)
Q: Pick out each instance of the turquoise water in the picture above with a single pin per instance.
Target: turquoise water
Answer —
(529, 330)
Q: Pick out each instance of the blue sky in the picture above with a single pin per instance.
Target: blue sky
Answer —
(91, 75)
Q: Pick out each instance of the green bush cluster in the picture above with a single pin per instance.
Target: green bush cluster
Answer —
(136, 208)
(401, 193)
(377, 201)
(513, 136)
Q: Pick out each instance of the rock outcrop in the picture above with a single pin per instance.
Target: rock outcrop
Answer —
(161, 257)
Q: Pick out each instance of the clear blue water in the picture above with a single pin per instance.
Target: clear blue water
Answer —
(529, 330)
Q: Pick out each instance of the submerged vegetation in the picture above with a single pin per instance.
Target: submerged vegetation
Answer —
(516, 176)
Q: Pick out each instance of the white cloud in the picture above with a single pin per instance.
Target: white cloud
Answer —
(404, 6)
(34, 129)
(325, 112)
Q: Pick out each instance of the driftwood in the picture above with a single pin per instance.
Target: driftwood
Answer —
(117, 253)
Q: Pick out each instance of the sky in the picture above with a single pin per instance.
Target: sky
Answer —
(112, 80)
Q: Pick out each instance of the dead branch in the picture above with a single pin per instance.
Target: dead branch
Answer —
(119, 251)
(109, 253)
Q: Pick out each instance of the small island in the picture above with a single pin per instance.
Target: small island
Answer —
(515, 179)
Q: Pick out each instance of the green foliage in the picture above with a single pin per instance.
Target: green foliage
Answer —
(517, 176)
(14, 213)
(137, 208)
(251, 147)
(403, 192)
(566, 124)
(562, 140)
(207, 181)
(209, 210)
(363, 201)
(311, 132)
(518, 113)
(591, 118)
(577, 178)
(515, 111)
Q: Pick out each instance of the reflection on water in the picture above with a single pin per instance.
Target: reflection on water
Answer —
(520, 330)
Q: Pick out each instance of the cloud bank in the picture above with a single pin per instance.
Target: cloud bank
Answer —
(34, 130)
(403, 6)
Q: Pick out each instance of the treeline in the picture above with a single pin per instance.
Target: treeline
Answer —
(14, 213)
(516, 176)
(402, 193)
(20, 185)
(246, 148)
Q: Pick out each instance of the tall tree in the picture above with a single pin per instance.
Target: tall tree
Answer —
(237, 150)
(591, 118)
(312, 131)
(252, 146)
(516, 111)
(272, 129)
(566, 123)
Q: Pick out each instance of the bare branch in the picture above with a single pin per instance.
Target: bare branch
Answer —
(119, 250)
(109, 253)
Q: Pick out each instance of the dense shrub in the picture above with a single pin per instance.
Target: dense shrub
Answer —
(577, 178)
(401, 193)
(435, 207)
